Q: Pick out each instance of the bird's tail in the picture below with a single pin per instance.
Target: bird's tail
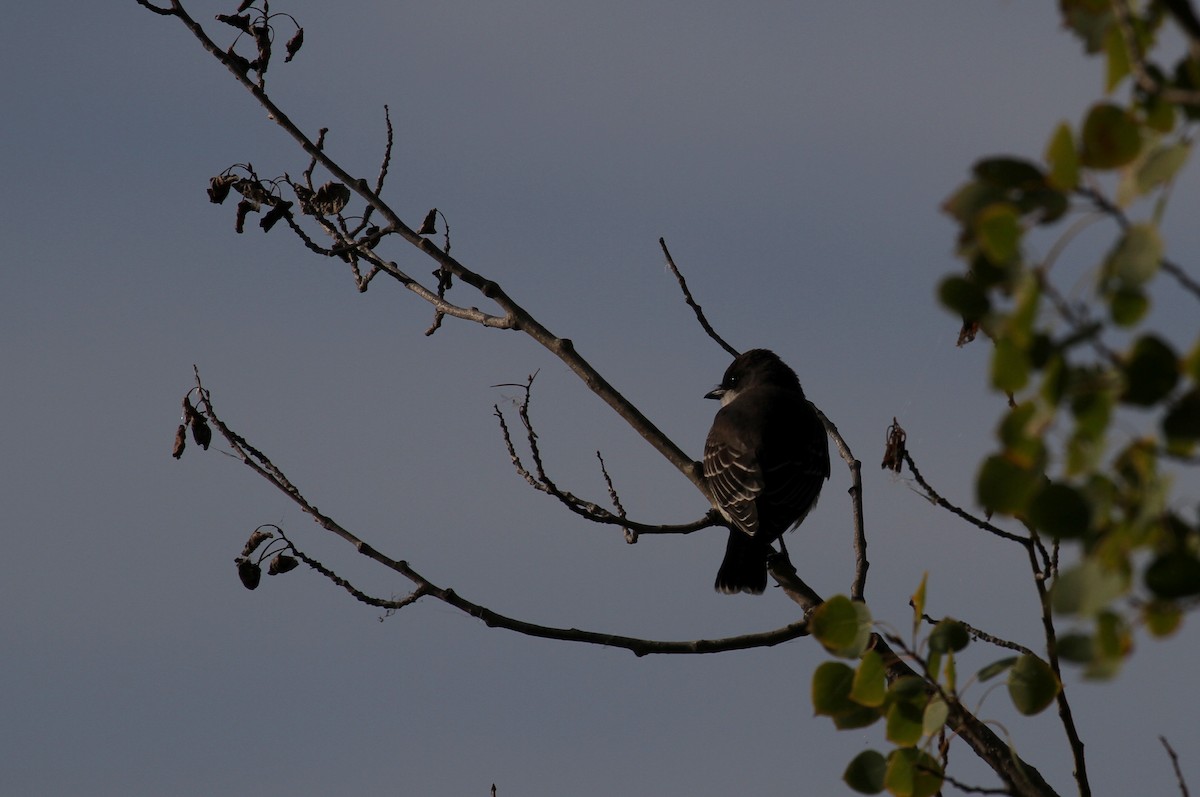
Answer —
(744, 568)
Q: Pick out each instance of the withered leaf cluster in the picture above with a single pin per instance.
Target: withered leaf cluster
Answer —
(327, 200)
(201, 432)
(258, 27)
(895, 449)
(250, 569)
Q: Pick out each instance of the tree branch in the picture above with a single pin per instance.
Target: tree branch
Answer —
(257, 461)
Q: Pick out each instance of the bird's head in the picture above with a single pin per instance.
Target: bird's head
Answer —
(754, 368)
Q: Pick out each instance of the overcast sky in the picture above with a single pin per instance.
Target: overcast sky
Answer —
(792, 154)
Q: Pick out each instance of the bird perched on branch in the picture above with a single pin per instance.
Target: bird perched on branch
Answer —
(765, 461)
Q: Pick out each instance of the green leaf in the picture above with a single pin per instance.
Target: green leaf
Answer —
(1116, 58)
(1151, 371)
(1032, 685)
(918, 603)
(842, 626)
(1010, 173)
(866, 772)
(1182, 421)
(1063, 159)
(1136, 257)
(1004, 485)
(936, 714)
(1162, 618)
(831, 685)
(995, 668)
(948, 635)
(1110, 137)
(1010, 366)
(1090, 20)
(1191, 363)
(912, 773)
(1087, 588)
(998, 231)
(964, 296)
(1128, 305)
(905, 723)
(1060, 510)
(870, 681)
(1076, 647)
(1109, 647)
(1160, 166)
(1174, 575)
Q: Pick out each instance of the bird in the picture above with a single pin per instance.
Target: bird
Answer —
(765, 460)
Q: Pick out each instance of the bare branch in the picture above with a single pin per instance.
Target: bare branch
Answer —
(257, 461)
(983, 636)
(513, 316)
(1183, 789)
(1064, 706)
(588, 510)
(687, 296)
(933, 496)
(861, 565)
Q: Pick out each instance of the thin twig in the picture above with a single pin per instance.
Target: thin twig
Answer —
(687, 297)
(858, 586)
(261, 464)
(983, 636)
(1064, 706)
(1183, 789)
(933, 496)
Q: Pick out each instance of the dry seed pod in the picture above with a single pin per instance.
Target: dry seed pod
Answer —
(282, 564)
(180, 441)
(249, 573)
(256, 539)
(201, 433)
(294, 44)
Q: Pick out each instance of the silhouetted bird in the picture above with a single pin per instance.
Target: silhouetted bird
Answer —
(765, 460)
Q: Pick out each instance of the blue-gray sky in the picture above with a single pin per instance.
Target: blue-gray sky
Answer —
(792, 154)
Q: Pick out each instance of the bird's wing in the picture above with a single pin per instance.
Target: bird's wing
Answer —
(736, 481)
(796, 481)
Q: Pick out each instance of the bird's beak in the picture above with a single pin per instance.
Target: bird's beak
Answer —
(715, 393)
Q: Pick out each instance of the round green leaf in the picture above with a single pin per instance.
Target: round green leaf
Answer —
(1136, 257)
(1174, 575)
(1162, 617)
(1060, 510)
(1086, 588)
(1063, 159)
(1182, 421)
(948, 635)
(870, 681)
(865, 772)
(995, 668)
(1032, 685)
(1161, 166)
(905, 723)
(1076, 647)
(831, 688)
(998, 231)
(1010, 366)
(1004, 485)
(1010, 173)
(1151, 371)
(1110, 137)
(912, 773)
(936, 714)
(1128, 305)
(842, 626)
(964, 296)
